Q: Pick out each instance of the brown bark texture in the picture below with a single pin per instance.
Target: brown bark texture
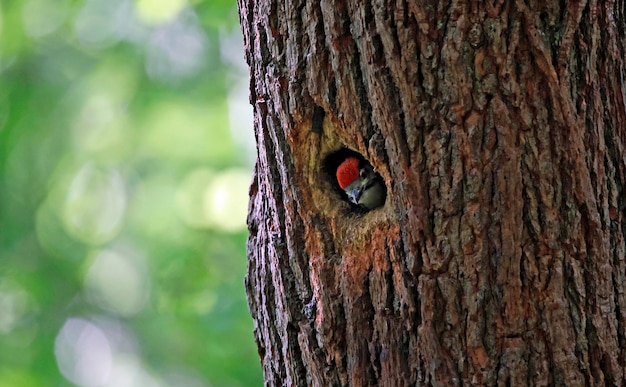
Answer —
(499, 129)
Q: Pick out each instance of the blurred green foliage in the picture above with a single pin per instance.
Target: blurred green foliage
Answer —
(125, 156)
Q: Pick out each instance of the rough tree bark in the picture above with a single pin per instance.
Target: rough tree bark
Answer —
(499, 129)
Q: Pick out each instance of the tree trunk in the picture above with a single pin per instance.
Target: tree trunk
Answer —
(499, 130)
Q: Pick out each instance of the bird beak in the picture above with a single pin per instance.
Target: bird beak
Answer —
(355, 194)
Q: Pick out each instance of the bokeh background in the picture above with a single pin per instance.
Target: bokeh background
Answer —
(126, 151)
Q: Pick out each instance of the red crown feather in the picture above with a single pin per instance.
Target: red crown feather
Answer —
(348, 172)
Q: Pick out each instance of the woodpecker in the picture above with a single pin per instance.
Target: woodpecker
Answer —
(362, 185)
